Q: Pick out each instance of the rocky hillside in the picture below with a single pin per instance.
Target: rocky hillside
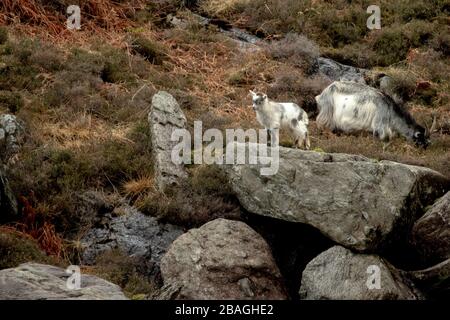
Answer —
(86, 176)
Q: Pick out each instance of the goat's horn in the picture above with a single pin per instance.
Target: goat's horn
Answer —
(434, 124)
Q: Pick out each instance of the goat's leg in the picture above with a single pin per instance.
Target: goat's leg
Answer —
(299, 142)
(307, 142)
(274, 135)
(296, 137)
(269, 137)
(302, 138)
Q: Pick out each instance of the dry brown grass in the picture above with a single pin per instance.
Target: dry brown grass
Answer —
(138, 186)
(219, 7)
(137, 190)
(17, 247)
(209, 65)
(107, 14)
(35, 227)
(82, 131)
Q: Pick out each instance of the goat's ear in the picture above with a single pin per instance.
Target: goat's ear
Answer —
(264, 96)
(252, 93)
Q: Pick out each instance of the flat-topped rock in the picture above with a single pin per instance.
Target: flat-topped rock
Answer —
(33, 281)
(357, 202)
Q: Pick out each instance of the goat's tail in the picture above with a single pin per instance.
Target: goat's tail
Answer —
(325, 106)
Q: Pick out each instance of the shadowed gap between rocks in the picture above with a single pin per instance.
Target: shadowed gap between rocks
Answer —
(293, 246)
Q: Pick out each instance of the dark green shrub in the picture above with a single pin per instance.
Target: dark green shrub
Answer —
(416, 9)
(391, 47)
(3, 35)
(346, 27)
(150, 50)
(239, 78)
(11, 100)
(356, 54)
(16, 249)
(85, 62)
(297, 49)
(392, 44)
(47, 58)
(124, 271)
(18, 72)
(116, 68)
(441, 42)
(296, 87)
(202, 198)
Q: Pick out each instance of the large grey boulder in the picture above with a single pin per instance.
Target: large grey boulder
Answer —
(431, 233)
(8, 203)
(336, 71)
(223, 259)
(357, 202)
(133, 233)
(165, 117)
(11, 135)
(33, 281)
(340, 274)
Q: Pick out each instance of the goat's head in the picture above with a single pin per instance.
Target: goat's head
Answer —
(421, 137)
(258, 99)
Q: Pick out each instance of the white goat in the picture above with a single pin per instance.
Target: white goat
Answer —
(275, 115)
(351, 107)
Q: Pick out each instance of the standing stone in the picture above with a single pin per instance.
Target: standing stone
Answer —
(339, 274)
(223, 259)
(431, 233)
(11, 134)
(165, 117)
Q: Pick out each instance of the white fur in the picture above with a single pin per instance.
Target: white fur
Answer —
(279, 115)
(344, 113)
(349, 107)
